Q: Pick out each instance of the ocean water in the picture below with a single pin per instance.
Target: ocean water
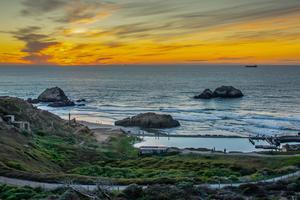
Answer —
(271, 104)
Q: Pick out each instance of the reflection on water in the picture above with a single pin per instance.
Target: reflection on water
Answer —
(230, 144)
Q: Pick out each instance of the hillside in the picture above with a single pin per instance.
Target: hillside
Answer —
(40, 120)
(52, 147)
(55, 150)
(28, 151)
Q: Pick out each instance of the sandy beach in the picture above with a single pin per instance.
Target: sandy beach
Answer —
(103, 132)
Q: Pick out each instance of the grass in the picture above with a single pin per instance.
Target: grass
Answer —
(25, 193)
(193, 168)
(47, 157)
(179, 191)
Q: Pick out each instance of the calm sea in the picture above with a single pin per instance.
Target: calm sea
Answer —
(271, 104)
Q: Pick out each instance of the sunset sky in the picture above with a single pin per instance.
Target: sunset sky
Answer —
(95, 32)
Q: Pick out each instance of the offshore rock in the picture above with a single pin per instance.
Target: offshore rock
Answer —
(149, 120)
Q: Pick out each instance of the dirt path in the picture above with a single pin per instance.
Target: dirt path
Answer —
(103, 134)
(51, 186)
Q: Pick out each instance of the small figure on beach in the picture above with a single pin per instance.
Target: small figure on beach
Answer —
(213, 149)
(225, 150)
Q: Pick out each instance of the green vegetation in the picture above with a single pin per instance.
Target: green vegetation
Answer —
(84, 160)
(55, 151)
(193, 168)
(287, 189)
(24, 193)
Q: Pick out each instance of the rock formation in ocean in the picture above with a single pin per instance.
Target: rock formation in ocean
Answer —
(227, 92)
(206, 94)
(149, 120)
(80, 100)
(55, 96)
(221, 92)
(62, 103)
(33, 101)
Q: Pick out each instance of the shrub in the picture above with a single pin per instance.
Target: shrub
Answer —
(133, 191)
(252, 190)
(163, 192)
(40, 133)
(15, 165)
(292, 187)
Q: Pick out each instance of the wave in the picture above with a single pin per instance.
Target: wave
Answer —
(189, 110)
(274, 118)
(195, 118)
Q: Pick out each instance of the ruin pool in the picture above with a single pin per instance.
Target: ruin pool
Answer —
(219, 143)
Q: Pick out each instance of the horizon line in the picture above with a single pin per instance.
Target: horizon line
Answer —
(149, 64)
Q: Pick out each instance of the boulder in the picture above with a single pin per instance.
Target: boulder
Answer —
(54, 94)
(149, 120)
(221, 92)
(61, 104)
(80, 100)
(227, 92)
(206, 94)
(33, 101)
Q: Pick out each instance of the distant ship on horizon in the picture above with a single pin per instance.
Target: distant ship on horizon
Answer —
(251, 66)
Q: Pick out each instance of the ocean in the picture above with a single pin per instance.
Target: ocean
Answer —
(270, 105)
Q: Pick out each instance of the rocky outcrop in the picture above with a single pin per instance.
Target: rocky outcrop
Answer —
(33, 101)
(55, 96)
(61, 104)
(149, 120)
(206, 94)
(39, 120)
(227, 92)
(221, 92)
(80, 100)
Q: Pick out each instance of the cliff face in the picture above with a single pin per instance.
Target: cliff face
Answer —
(39, 120)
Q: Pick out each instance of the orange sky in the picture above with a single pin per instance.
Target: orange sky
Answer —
(94, 32)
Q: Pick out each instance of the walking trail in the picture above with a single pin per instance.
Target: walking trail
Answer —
(51, 186)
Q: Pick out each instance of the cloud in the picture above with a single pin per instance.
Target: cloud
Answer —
(156, 18)
(237, 14)
(176, 17)
(35, 8)
(71, 11)
(35, 43)
(149, 8)
(38, 58)
(102, 60)
(144, 30)
(265, 35)
(234, 58)
(290, 60)
(85, 12)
